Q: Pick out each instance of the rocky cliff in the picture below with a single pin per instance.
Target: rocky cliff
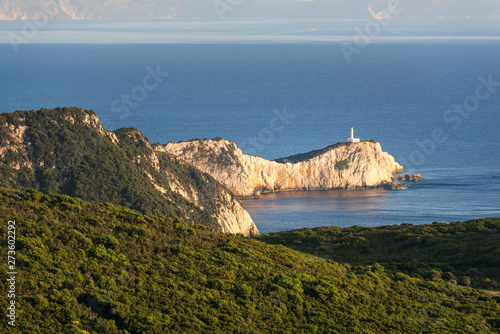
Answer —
(85, 9)
(341, 166)
(66, 150)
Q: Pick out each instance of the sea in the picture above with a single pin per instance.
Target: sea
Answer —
(433, 103)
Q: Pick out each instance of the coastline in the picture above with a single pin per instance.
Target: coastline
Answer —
(350, 166)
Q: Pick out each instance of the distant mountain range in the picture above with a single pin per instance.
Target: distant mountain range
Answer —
(237, 9)
(152, 9)
(91, 9)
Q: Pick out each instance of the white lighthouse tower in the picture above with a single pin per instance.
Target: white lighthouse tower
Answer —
(352, 139)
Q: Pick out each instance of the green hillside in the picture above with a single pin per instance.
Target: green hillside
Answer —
(86, 267)
(465, 252)
(67, 151)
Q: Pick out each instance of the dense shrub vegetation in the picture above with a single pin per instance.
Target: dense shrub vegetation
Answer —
(201, 150)
(313, 154)
(88, 267)
(68, 155)
(94, 267)
(465, 252)
(342, 164)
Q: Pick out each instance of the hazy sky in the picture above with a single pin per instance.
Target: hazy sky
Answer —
(252, 9)
(358, 8)
(249, 20)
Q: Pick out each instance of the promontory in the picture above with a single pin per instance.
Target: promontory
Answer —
(361, 165)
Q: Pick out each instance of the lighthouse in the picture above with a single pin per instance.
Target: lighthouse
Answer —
(352, 139)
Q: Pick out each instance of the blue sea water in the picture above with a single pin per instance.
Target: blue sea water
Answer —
(401, 94)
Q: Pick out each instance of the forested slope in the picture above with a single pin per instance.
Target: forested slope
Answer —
(464, 252)
(67, 150)
(86, 267)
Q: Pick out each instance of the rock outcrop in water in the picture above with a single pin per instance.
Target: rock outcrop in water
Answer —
(342, 166)
(412, 178)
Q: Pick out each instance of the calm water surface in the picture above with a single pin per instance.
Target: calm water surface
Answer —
(395, 92)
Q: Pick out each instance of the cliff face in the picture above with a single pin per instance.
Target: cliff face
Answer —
(66, 150)
(87, 9)
(347, 166)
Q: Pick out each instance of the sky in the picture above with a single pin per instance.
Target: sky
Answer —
(358, 8)
(254, 9)
(195, 21)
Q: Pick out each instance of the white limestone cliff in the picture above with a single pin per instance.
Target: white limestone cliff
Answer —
(248, 176)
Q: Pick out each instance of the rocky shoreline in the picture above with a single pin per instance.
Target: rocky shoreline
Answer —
(412, 178)
(348, 166)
